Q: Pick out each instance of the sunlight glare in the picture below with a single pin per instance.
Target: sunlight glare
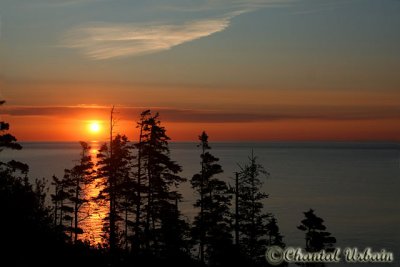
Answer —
(94, 127)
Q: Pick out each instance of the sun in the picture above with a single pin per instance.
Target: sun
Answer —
(94, 127)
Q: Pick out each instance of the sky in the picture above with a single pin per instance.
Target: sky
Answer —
(254, 70)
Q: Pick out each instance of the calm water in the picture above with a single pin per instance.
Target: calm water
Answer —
(354, 187)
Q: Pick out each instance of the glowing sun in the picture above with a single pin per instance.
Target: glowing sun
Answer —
(94, 127)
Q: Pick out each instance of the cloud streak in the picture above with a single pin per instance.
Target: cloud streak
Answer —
(100, 41)
(214, 116)
(105, 41)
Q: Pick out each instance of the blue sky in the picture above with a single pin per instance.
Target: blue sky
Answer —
(294, 39)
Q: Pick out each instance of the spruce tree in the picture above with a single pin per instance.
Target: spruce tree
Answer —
(315, 235)
(76, 179)
(8, 141)
(212, 226)
(114, 167)
(251, 219)
(274, 236)
(157, 182)
(139, 189)
(62, 209)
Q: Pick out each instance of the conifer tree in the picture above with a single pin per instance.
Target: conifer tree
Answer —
(114, 167)
(274, 236)
(69, 194)
(76, 179)
(62, 211)
(139, 189)
(315, 235)
(8, 141)
(251, 219)
(212, 226)
(157, 181)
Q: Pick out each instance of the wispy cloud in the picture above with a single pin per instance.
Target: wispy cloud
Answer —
(101, 41)
(104, 41)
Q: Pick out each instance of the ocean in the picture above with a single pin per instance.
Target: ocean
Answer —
(354, 187)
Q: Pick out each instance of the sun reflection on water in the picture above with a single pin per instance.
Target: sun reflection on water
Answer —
(93, 213)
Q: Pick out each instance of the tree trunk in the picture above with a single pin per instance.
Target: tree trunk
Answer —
(139, 189)
(202, 230)
(237, 209)
(76, 207)
(112, 237)
(148, 208)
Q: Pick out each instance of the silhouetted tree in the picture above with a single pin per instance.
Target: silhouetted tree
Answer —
(274, 236)
(251, 219)
(124, 185)
(28, 236)
(139, 189)
(62, 211)
(56, 199)
(316, 236)
(114, 168)
(158, 178)
(212, 226)
(8, 141)
(74, 182)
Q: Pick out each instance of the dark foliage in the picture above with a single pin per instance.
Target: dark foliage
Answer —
(144, 226)
(212, 226)
(316, 236)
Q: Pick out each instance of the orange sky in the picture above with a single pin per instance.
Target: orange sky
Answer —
(71, 129)
(226, 114)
